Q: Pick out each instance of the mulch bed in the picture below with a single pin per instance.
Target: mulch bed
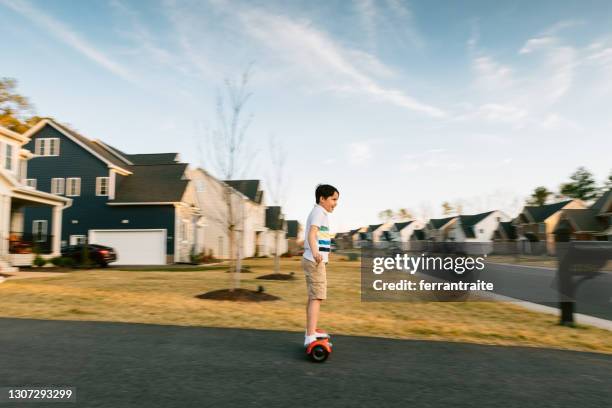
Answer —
(278, 276)
(242, 270)
(238, 295)
(45, 269)
(4, 275)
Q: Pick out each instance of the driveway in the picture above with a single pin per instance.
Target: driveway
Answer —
(136, 365)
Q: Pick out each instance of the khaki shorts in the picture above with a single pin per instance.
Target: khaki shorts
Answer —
(316, 279)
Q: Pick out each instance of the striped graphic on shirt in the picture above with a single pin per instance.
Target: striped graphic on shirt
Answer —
(324, 238)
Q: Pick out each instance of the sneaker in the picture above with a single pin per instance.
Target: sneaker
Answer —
(309, 339)
(320, 334)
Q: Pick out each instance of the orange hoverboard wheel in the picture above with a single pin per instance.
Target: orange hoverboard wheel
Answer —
(319, 350)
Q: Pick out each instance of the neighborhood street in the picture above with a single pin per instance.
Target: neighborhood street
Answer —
(135, 365)
(537, 285)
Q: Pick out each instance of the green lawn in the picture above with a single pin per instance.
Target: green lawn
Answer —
(168, 297)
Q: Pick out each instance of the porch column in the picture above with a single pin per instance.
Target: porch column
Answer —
(5, 222)
(56, 223)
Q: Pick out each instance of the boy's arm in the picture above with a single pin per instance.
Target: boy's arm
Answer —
(313, 242)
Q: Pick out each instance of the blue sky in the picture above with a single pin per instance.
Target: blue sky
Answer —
(398, 104)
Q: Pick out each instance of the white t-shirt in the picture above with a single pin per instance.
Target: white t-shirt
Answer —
(318, 217)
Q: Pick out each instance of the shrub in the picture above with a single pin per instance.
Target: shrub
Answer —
(62, 261)
(39, 261)
(57, 261)
(353, 256)
(68, 262)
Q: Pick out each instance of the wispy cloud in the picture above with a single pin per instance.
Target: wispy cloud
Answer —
(312, 51)
(368, 14)
(69, 37)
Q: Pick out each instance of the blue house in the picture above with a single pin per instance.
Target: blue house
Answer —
(140, 204)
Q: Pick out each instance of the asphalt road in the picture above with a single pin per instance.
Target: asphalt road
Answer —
(132, 365)
(538, 285)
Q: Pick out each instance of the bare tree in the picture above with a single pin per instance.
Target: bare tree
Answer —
(230, 157)
(277, 187)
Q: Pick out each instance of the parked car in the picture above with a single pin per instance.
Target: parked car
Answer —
(98, 254)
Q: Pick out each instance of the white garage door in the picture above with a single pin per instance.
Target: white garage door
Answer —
(134, 247)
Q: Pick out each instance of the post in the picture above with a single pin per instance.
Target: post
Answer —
(5, 222)
(56, 223)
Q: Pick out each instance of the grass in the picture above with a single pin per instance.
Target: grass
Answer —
(169, 298)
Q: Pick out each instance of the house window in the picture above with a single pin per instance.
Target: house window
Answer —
(78, 239)
(30, 183)
(8, 157)
(47, 146)
(541, 228)
(101, 186)
(73, 186)
(57, 186)
(39, 230)
(481, 231)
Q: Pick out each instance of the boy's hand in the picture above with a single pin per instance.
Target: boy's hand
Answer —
(317, 257)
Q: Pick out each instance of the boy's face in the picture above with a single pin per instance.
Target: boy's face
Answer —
(330, 202)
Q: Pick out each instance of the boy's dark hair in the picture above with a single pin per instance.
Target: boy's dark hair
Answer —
(325, 190)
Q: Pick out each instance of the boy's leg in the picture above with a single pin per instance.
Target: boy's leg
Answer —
(312, 315)
(316, 281)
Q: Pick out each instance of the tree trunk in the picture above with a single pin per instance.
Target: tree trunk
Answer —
(276, 255)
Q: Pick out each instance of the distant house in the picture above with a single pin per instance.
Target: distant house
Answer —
(248, 215)
(276, 236)
(295, 241)
(406, 229)
(418, 235)
(254, 233)
(376, 231)
(18, 193)
(505, 232)
(593, 223)
(477, 227)
(437, 228)
(538, 223)
(359, 236)
(142, 205)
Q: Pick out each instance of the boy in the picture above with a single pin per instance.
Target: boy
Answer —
(317, 246)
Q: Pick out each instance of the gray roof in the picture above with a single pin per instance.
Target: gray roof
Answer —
(249, 188)
(293, 226)
(152, 184)
(274, 218)
(153, 158)
(97, 148)
(469, 221)
(582, 220)
(438, 223)
(401, 225)
(601, 202)
(373, 227)
(541, 212)
(509, 229)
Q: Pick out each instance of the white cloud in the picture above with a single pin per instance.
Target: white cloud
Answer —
(68, 36)
(492, 75)
(535, 44)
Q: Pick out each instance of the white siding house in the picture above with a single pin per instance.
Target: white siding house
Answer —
(16, 193)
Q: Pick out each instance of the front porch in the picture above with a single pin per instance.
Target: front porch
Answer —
(18, 248)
